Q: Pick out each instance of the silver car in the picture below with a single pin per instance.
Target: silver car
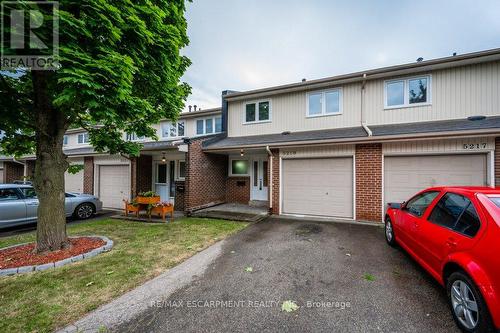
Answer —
(19, 205)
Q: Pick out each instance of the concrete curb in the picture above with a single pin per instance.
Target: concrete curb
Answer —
(37, 268)
(133, 303)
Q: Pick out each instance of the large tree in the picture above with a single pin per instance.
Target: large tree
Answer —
(120, 71)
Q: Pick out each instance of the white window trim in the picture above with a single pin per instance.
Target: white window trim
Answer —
(178, 169)
(257, 121)
(83, 134)
(323, 103)
(205, 125)
(406, 95)
(137, 138)
(177, 130)
(231, 167)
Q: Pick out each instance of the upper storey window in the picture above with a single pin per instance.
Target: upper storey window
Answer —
(83, 138)
(407, 92)
(172, 130)
(324, 103)
(258, 112)
(134, 137)
(209, 125)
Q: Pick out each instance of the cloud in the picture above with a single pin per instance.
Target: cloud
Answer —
(251, 44)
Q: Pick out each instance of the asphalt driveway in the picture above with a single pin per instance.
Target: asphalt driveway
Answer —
(343, 277)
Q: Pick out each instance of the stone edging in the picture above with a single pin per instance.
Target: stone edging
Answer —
(26, 269)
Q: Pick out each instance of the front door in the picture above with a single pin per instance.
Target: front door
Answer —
(260, 179)
(161, 181)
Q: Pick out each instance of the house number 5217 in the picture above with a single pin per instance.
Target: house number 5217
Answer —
(475, 146)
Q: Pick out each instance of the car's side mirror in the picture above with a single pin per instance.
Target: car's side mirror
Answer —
(395, 205)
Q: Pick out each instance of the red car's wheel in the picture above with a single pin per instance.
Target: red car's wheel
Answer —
(390, 237)
(468, 307)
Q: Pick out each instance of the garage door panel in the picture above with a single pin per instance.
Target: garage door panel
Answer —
(1, 176)
(406, 175)
(318, 187)
(114, 185)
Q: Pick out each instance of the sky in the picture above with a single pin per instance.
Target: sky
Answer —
(251, 44)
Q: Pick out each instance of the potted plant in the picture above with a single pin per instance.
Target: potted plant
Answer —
(148, 198)
(162, 208)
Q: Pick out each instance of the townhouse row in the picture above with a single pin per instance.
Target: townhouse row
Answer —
(340, 147)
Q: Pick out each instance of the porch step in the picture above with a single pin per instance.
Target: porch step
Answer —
(258, 203)
(233, 216)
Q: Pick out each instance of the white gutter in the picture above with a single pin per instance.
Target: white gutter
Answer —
(363, 117)
(270, 176)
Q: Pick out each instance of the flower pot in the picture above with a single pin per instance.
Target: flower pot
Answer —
(147, 200)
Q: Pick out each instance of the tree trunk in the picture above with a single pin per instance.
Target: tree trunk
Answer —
(50, 166)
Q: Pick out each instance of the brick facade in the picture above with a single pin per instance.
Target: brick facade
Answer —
(30, 169)
(276, 182)
(12, 171)
(205, 177)
(141, 178)
(180, 190)
(497, 162)
(88, 175)
(369, 182)
(238, 190)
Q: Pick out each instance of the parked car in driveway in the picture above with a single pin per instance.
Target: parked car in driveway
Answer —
(454, 233)
(19, 205)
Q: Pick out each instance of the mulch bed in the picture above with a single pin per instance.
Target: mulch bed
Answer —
(23, 255)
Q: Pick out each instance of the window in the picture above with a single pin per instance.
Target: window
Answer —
(258, 112)
(208, 126)
(496, 201)
(182, 169)
(199, 127)
(83, 138)
(172, 130)
(324, 103)
(239, 167)
(29, 193)
(407, 92)
(65, 140)
(456, 212)
(8, 194)
(134, 137)
(218, 124)
(419, 203)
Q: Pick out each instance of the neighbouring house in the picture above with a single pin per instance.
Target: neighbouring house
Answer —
(161, 166)
(342, 146)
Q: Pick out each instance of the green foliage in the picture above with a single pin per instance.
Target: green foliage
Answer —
(369, 277)
(120, 72)
(289, 306)
(75, 168)
(148, 194)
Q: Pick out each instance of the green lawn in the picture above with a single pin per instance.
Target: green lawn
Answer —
(43, 301)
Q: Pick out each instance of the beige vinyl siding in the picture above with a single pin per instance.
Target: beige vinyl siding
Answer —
(486, 144)
(289, 113)
(318, 151)
(456, 93)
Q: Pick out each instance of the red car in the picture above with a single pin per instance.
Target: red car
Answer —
(454, 233)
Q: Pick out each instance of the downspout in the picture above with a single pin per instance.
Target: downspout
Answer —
(270, 177)
(25, 170)
(363, 117)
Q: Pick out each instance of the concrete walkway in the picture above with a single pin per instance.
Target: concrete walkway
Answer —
(131, 304)
(235, 212)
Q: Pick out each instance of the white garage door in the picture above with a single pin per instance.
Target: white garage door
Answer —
(406, 175)
(114, 185)
(321, 187)
(1, 176)
(74, 182)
